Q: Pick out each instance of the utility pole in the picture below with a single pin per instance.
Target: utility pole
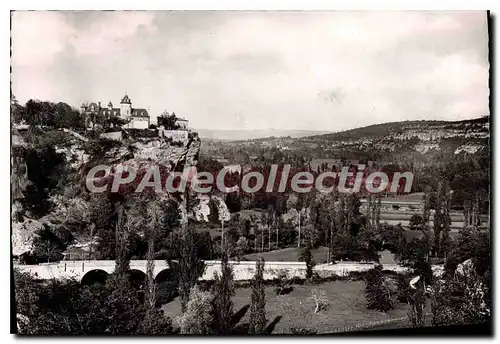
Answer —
(222, 237)
(277, 238)
(269, 234)
(262, 239)
(92, 226)
(298, 245)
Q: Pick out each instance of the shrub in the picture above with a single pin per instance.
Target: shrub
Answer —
(166, 292)
(320, 299)
(258, 300)
(461, 298)
(223, 291)
(197, 319)
(282, 283)
(404, 289)
(377, 291)
(302, 331)
(306, 256)
(416, 301)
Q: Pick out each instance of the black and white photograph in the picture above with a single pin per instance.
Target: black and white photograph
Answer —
(251, 172)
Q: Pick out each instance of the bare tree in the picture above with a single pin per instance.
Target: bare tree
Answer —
(320, 299)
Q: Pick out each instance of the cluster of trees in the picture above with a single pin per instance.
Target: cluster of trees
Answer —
(167, 120)
(47, 114)
(47, 171)
(68, 307)
(460, 296)
(306, 220)
(119, 306)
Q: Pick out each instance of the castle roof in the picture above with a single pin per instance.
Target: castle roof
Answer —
(112, 112)
(92, 107)
(140, 113)
(110, 104)
(125, 100)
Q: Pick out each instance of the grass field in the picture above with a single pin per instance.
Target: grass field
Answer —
(410, 235)
(290, 254)
(319, 255)
(347, 307)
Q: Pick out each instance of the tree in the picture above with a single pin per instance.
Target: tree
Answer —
(45, 171)
(233, 202)
(155, 323)
(416, 302)
(414, 255)
(67, 117)
(39, 113)
(17, 114)
(102, 215)
(377, 292)
(461, 298)
(145, 214)
(189, 266)
(392, 237)
(223, 291)
(416, 222)
(47, 246)
(326, 219)
(197, 318)
(258, 300)
(122, 260)
(168, 121)
(442, 219)
(320, 299)
(122, 306)
(306, 256)
(115, 122)
(282, 282)
(471, 245)
(63, 307)
(26, 300)
(242, 246)
(150, 293)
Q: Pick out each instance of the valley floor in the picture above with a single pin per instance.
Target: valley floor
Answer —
(347, 308)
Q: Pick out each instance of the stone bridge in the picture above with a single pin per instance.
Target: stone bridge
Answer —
(244, 270)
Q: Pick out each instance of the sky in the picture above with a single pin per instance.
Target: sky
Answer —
(294, 70)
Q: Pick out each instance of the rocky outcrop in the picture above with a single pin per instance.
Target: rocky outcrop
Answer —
(137, 153)
(23, 234)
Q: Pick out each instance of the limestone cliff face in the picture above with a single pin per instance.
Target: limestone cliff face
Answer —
(162, 152)
(19, 175)
(23, 232)
(137, 153)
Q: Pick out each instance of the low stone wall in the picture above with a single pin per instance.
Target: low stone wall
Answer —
(175, 135)
(242, 271)
(116, 135)
(341, 269)
(245, 270)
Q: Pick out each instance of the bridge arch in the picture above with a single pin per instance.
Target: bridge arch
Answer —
(166, 287)
(137, 277)
(95, 276)
(165, 275)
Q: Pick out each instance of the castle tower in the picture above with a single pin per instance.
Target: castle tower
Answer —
(110, 106)
(125, 107)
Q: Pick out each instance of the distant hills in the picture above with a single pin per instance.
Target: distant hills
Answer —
(426, 130)
(233, 135)
(429, 142)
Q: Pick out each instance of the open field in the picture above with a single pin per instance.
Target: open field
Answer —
(347, 307)
(410, 235)
(290, 254)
